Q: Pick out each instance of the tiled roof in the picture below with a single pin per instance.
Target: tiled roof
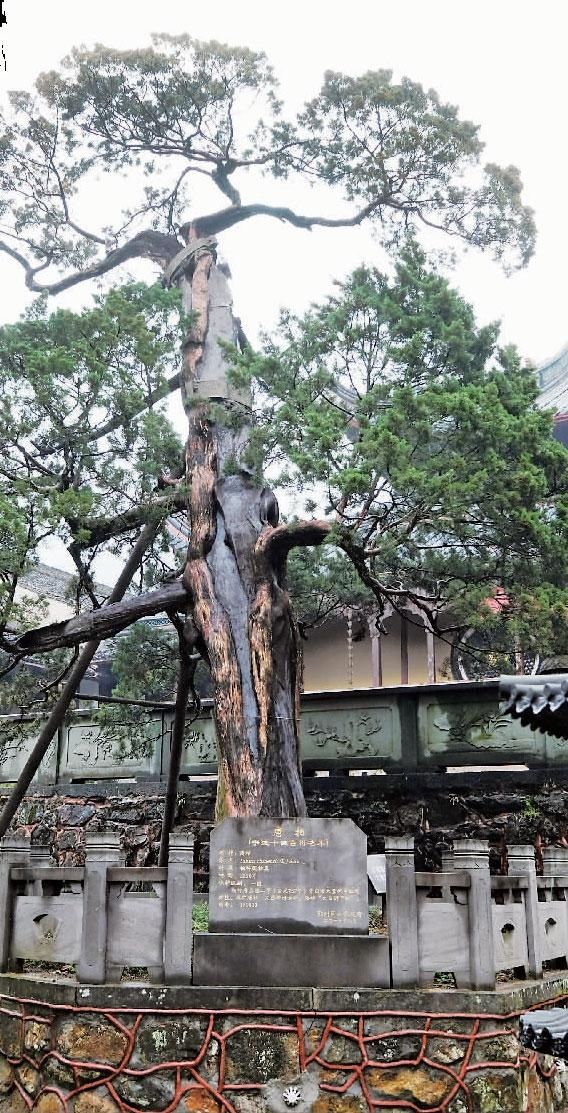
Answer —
(540, 703)
(54, 583)
(546, 1030)
(553, 383)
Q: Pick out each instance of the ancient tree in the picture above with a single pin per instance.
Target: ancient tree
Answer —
(172, 118)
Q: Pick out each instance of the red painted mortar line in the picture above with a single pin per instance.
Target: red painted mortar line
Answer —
(25, 1097)
(323, 1040)
(355, 1071)
(243, 1086)
(206, 1042)
(438, 1032)
(256, 1028)
(217, 1095)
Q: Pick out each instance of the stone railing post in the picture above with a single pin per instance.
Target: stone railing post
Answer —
(522, 863)
(102, 851)
(555, 861)
(472, 855)
(14, 851)
(402, 911)
(555, 864)
(448, 863)
(40, 855)
(179, 907)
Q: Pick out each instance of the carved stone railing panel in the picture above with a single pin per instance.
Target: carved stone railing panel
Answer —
(14, 754)
(47, 929)
(471, 730)
(414, 727)
(339, 735)
(100, 918)
(510, 942)
(136, 927)
(85, 750)
(443, 926)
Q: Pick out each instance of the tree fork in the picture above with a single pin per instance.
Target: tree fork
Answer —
(57, 717)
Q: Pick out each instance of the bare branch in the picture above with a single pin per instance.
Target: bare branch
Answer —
(103, 623)
(76, 227)
(154, 396)
(14, 662)
(45, 689)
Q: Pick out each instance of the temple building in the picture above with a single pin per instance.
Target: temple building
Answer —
(553, 383)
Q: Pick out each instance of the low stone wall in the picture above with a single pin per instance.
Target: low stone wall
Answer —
(398, 728)
(128, 1048)
(505, 807)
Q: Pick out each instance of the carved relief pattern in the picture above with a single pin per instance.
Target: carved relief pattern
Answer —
(73, 1059)
(472, 728)
(199, 747)
(356, 735)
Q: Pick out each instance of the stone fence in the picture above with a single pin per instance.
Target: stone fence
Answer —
(422, 727)
(104, 917)
(464, 922)
(101, 917)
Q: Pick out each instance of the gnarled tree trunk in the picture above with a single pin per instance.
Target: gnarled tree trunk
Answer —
(239, 615)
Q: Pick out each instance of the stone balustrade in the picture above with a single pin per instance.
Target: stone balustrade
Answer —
(100, 918)
(460, 923)
(422, 727)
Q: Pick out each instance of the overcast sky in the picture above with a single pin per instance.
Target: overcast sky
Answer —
(502, 61)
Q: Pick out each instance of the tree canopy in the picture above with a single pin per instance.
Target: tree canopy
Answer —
(422, 437)
(386, 406)
(85, 444)
(441, 477)
(182, 111)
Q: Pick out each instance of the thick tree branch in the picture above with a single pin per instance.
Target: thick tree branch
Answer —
(221, 178)
(57, 716)
(274, 544)
(148, 244)
(102, 623)
(96, 531)
(162, 248)
(217, 222)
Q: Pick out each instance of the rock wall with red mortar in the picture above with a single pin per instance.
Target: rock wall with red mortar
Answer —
(126, 1050)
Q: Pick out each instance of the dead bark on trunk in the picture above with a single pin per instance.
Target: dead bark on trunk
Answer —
(238, 601)
(244, 621)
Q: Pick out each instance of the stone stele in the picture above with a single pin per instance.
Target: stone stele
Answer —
(288, 876)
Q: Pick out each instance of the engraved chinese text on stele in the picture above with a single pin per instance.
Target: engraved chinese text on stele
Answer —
(288, 876)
